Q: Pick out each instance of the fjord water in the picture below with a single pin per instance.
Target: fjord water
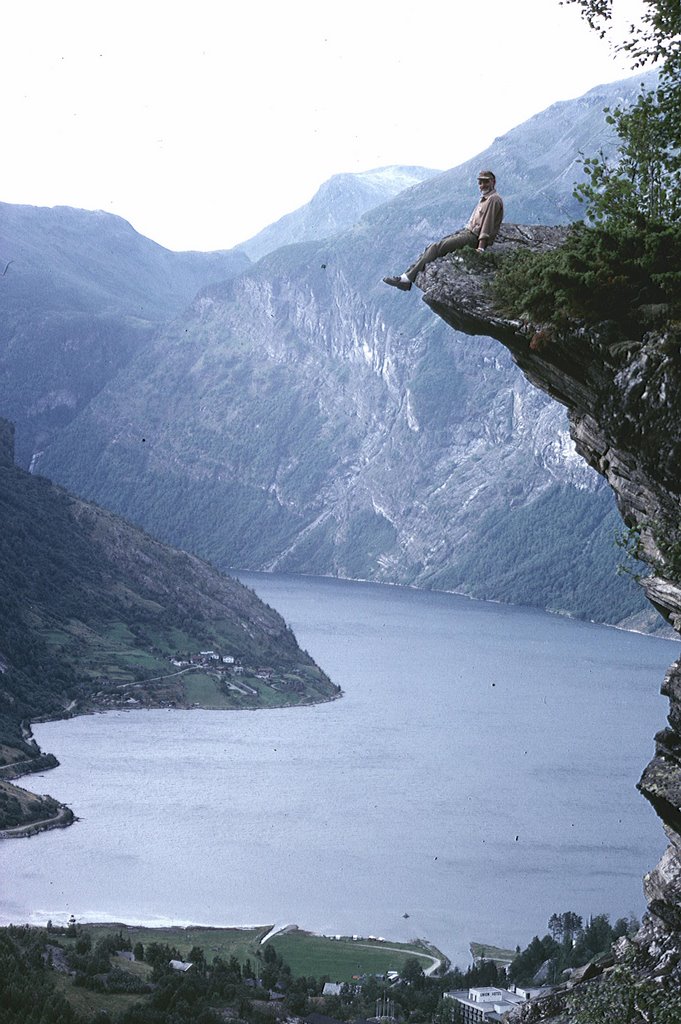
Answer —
(477, 775)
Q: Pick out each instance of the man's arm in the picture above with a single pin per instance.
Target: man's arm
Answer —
(491, 222)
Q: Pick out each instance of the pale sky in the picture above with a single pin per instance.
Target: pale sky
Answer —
(203, 121)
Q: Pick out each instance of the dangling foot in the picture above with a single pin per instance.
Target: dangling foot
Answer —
(403, 282)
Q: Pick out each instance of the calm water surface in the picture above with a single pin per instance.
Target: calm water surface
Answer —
(478, 775)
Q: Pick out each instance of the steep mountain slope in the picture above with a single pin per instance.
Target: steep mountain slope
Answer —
(338, 204)
(95, 614)
(80, 294)
(305, 417)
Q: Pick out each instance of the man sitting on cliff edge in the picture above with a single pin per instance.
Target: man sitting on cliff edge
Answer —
(480, 232)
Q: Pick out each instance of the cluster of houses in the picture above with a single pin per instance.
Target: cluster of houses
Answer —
(208, 659)
(220, 663)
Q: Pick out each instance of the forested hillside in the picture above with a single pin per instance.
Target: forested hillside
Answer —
(94, 613)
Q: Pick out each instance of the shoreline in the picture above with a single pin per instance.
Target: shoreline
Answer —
(667, 633)
(259, 935)
(45, 762)
(62, 819)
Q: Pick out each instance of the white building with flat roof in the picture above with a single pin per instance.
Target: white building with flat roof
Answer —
(486, 1003)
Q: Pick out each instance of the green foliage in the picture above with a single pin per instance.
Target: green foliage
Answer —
(412, 973)
(629, 541)
(415, 997)
(565, 926)
(19, 808)
(32, 992)
(27, 995)
(667, 535)
(645, 182)
(528, 962)
(638, 188)
(629, 256)
(606, 273)
(571, 944)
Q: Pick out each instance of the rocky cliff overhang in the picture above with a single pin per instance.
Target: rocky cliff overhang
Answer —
(623, 400)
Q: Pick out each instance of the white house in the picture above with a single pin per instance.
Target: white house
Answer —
(485, 1004)
(180, 965)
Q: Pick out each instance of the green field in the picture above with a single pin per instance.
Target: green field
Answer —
(306, 954)
(487, 952)
(88, 1003)
(345, 958)
(203, 689)
(225, 942)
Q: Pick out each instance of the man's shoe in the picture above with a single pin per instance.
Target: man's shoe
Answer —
(397, 282)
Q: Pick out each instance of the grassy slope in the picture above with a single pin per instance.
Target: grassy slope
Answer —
(225, 942)
(346, 958)
(307, 954)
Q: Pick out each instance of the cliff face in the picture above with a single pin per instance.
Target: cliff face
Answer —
(622, 398)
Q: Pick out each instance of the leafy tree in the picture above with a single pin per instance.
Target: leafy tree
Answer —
(412, 972)
(625, 926)
(270, 954)
(646, 180)
(639, 187)
(626, 257)
(27, 995)
(83, 943)
(197, 957)
(527, 963)
(563, 927)
(597, 936)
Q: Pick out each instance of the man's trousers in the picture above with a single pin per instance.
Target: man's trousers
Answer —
(450, 243)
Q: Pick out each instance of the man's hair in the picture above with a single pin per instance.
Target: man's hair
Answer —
(488, 174)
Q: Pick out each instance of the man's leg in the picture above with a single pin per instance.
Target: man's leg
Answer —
(450, 243)
(459, 240)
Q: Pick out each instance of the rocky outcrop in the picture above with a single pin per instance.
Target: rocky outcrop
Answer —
(622, 397)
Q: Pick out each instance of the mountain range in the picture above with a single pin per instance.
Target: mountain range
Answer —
(298, 415)
(81, 294)
(336, 206)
